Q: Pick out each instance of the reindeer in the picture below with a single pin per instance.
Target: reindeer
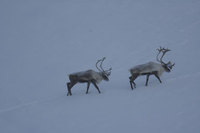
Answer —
(89, 76)
(151, 68)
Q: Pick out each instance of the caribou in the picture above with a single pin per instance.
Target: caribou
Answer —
(89, 76)
(151, 68)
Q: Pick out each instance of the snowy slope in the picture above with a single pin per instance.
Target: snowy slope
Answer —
(41, 42)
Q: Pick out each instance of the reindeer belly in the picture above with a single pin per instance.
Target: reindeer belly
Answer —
(81, 77)
(148, 68)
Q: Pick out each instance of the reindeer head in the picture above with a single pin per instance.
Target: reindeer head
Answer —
(167, 66)
(105, 73)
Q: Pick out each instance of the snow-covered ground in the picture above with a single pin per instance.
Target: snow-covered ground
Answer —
(42, 41)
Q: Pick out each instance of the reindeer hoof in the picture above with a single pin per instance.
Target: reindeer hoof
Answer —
(68, 94)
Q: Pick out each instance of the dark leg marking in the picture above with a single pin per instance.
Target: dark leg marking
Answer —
(69, 91)
(147, 79)
(130, 81)
(70, 85)
(132, 78)
(156, 75)
(94, 83)
(88, 86)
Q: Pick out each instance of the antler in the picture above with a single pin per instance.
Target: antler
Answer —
(97, 64)
(101, 68)
(108, 72)
(101, 63)
(164, 51)
(171, 65)
(159, 50)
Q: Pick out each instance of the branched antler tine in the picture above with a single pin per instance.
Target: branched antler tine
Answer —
(162, 56)
(164, 51)
(101, 63)
(159, 50)
(109, 70)
(97, 64)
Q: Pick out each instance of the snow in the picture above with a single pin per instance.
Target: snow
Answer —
(41, 42)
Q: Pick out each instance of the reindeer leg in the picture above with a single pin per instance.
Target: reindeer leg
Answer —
(132, 82)
(132, 78)
(93, 82)
(147, 79)
(88, 85)
(156, 75)
(69, 91)
(69, 86)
